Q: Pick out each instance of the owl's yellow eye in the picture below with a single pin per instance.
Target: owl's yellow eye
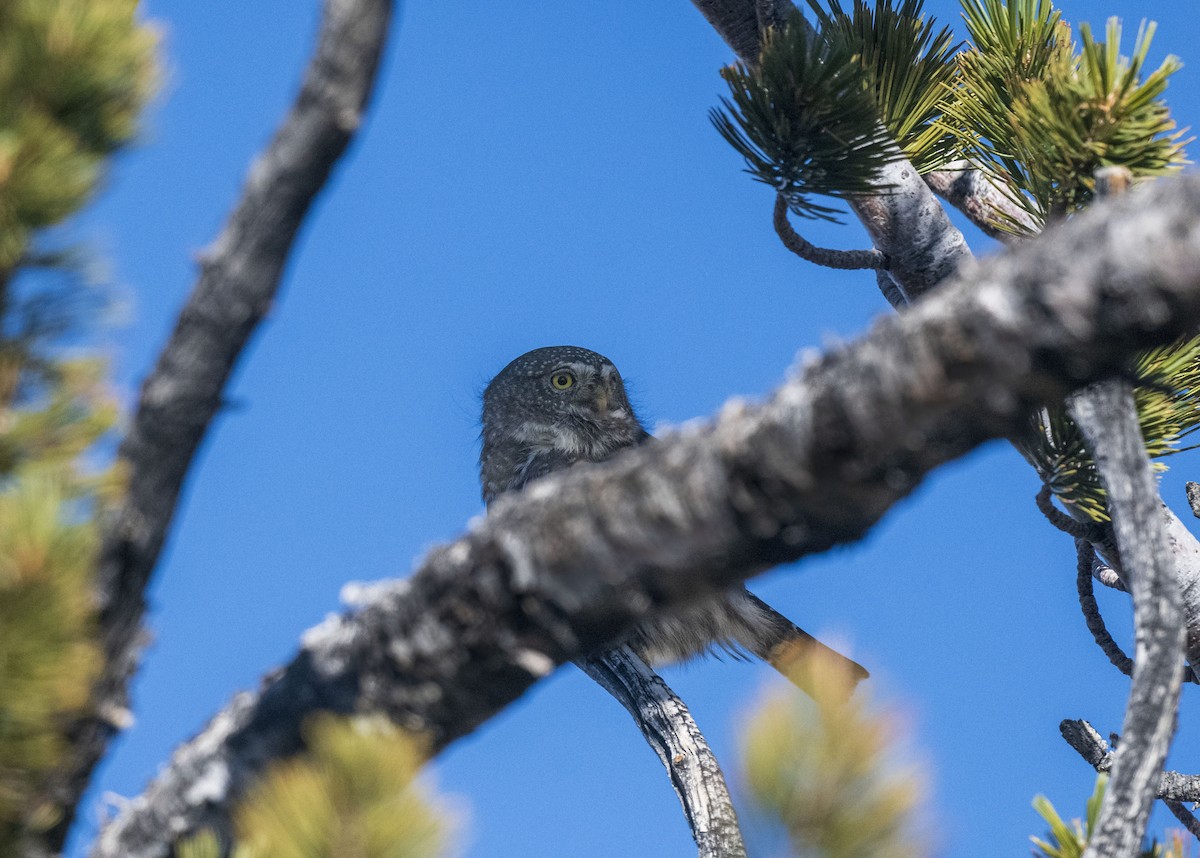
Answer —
(562, 380)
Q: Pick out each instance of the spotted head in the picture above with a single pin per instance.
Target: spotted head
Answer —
(548, 409)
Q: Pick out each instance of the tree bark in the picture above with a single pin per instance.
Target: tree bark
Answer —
(569, 565)
(672, 733)
(981, 200)
(239, 276)
(1106, 414)
(1082, 736)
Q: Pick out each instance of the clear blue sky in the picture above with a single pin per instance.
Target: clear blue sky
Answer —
(536, 174)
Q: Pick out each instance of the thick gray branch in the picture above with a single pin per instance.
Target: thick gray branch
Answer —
(672, 732)
(570, 564)
(1107, 417)
(239, 276)
(1082, 736)
(907, 225)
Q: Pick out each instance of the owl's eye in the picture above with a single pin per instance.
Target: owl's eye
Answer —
(562, 380)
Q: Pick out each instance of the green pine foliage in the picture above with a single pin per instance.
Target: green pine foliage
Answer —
(352, 795)
(1041, 112)
(826, 769)
(1167, 396)
(49, 503)
(821, 113)
(74, 75)
(907, 65)
(1070, 841)
(803, 120)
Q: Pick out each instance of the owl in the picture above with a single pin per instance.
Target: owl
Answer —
(555, 406)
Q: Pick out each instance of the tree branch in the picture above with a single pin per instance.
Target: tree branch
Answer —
(1082, 736)
(846, 260)
(974, 194)
(672, 732)
(239, 276)
(1185, 816)
(568, 565)
(1107, 417)
(1091, 611)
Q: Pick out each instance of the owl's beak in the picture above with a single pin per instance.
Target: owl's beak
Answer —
(601, 400)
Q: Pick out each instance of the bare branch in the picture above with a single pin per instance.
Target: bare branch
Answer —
(1082, 736)
(1185, 816)
(847, 260)
(239, 276)
(1107, 417)
(571, 563)
(974, 194)
(671, 731)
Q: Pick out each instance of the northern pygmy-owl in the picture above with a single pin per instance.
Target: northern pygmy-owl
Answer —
(555, 406)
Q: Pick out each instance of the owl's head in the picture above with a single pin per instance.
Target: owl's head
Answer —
(560, 398)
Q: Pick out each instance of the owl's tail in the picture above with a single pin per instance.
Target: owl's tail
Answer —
(739, 623)
(787, 647)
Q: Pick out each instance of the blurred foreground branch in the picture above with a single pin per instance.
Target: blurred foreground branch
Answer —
(570, 564)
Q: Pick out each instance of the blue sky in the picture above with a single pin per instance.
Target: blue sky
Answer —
(535, 174)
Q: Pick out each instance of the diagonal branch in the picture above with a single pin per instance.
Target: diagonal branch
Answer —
(1107, 417)
(672, 732)
(987, 206)
(239, 276)
(574, 561)
(1082, 736)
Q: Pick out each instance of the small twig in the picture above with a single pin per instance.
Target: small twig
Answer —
(1193, 497)
(846, 260)
(672, 732)
(1091, 611)
(1089, 744)
(1185, 816)
(1107, 576)
(1087, 530)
